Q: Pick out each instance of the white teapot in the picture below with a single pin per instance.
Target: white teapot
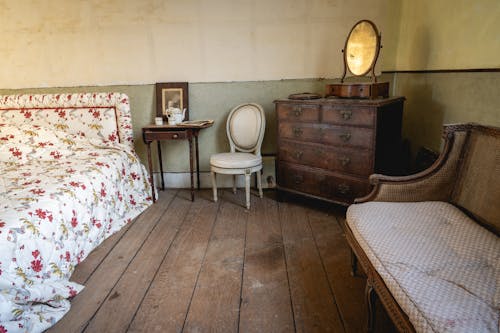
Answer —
(175, 115)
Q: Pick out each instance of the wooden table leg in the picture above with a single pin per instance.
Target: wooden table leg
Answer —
(150, 164)
(161, 166)
(197, 159)
(191, 165)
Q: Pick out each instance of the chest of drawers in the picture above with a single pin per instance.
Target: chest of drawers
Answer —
(327, 148)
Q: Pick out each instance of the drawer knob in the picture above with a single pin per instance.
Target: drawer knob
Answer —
(346, 114)
(297, 132)
(298, 155)
(344, 189)
(298, 179)
(175, 136)
(297, 111)
(345, 136)
(344, 160)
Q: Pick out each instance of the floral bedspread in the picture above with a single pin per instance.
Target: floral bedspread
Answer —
(61, 195)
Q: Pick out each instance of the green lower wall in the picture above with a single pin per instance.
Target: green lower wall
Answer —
(433, 99)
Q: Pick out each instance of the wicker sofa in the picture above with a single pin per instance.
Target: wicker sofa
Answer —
(429, 243)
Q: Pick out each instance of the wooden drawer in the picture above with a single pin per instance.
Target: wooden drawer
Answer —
(300, 131)
(171, 135)
(321, 183)
(347, 136)
(306, 154)
(346, 189)
(302, 179)
(360, 116)
(332, 135)
(354, 161)
(298, 112)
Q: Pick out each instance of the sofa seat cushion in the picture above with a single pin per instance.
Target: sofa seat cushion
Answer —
(442, 268)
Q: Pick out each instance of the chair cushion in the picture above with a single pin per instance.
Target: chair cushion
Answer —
(235, 160)
(442, 268)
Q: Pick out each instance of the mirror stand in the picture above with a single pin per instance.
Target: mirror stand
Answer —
(360, 55)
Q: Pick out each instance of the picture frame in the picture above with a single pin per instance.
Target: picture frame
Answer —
(173, 93)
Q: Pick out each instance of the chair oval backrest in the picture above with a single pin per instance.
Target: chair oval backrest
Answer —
(245, 128)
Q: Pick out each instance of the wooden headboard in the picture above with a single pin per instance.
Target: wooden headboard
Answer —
(104, 116)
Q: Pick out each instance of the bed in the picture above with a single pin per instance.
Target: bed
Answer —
(69, 178)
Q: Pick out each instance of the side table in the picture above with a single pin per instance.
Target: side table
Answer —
(160, 133)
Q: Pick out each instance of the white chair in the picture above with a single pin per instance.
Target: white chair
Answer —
(245, 128)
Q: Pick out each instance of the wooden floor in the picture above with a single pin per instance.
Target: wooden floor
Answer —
(216, 267)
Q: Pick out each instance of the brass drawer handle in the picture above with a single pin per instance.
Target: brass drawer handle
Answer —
(322, 133)
(345, 136)
(175, 136)
(346, 114)
(298, 155)
(297, 111)
(344, 160)
(344, 188)
(297, 132)
(298, 179)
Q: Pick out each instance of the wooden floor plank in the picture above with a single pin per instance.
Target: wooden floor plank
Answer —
(117, 311)
(216, 299)
(165, 306)
(266, 304)
(335, 253)
(313, 303)
(98, 286)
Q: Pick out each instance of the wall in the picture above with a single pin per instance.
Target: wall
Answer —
(434, 99)
(447, 35)
(62, 43)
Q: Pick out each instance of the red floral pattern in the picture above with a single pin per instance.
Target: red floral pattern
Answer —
(63, 194)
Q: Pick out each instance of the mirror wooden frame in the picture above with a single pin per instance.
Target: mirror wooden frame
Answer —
(378, 46)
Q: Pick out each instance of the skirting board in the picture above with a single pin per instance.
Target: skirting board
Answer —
(182, 179)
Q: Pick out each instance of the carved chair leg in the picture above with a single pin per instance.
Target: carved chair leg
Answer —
(214, 185)
(354, 264)
(247, 189)
(371, 296)
(259, 183)
(234, 184)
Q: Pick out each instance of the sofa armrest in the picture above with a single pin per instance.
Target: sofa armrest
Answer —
(433, 184)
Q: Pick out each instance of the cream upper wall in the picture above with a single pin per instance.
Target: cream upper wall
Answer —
(94, 42)
(448, 34)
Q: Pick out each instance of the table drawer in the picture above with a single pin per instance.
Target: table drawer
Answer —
(361, 116)
(298, 112)
(170, 135)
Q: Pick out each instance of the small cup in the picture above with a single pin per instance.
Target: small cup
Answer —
(159, 120)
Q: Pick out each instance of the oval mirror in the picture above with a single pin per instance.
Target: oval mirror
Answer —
(362, 48)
